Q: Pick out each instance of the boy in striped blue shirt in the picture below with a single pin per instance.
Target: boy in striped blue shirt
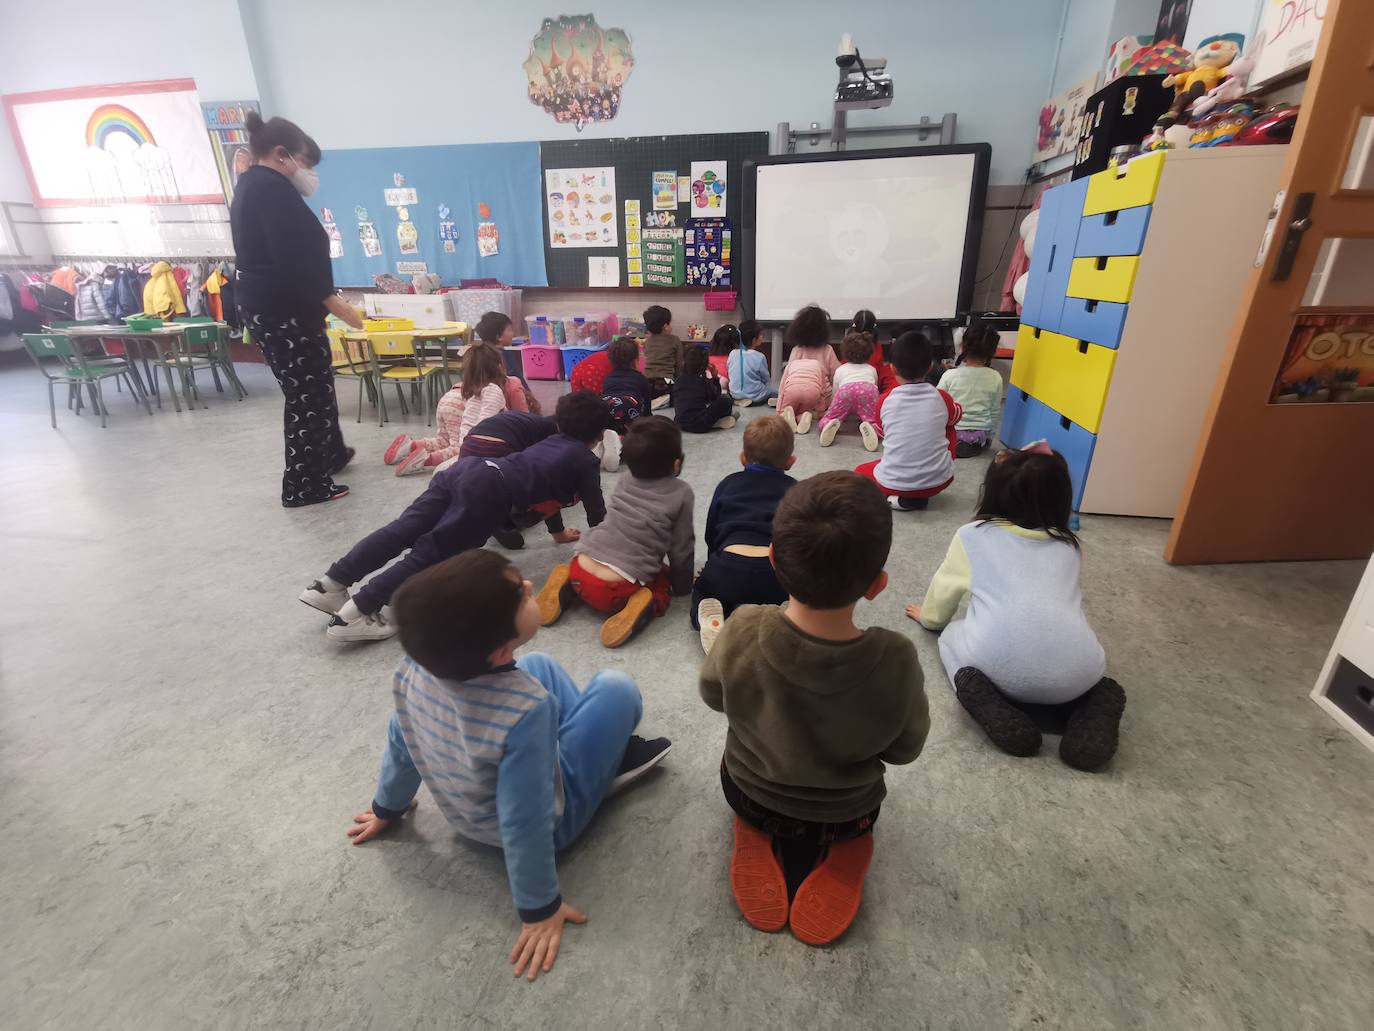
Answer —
(513, 753)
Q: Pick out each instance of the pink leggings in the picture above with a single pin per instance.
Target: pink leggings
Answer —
(859, 399)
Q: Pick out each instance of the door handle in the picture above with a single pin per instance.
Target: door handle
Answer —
(1299, 223)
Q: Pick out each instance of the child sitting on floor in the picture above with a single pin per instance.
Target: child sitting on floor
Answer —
(750, 379)
(618, 567)
(866, 322)
(856, 392)
(699, 405)
(1025, 640)
(625, 389)
(918, 431)
(662, 353)
(480, 395)
(513, 753)
(804, 391)
(739, 529)
(977, 387)
(459, 510)
(815, 707)
(724, 341)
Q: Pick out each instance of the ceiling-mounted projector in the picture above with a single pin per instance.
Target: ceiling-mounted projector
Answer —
(863, 84)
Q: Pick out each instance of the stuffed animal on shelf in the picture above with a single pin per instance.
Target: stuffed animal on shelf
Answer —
(1211, 61)
(1237, 81)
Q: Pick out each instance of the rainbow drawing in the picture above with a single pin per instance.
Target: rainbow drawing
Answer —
(113, 118)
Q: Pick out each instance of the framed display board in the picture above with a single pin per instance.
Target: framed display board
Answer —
(704, 171)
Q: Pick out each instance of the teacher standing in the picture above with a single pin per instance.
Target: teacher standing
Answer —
(284, 289)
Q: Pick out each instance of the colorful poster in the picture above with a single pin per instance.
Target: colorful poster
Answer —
(708, 188)
(488, 239)
(581, 208)
(367, 234)
(576, 69)
(331, 230)
(684, 189)
(229, 140)
(135, 143)
(1329, 359)
(1061, 118)
(665, 191)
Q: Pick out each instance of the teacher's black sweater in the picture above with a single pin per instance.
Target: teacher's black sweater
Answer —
(281, 249)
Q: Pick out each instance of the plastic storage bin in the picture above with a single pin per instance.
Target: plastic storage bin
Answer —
(581, 331)
(545, 330)
(541, 361)
(572, 354)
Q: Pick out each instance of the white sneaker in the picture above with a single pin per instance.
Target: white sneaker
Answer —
(773, 401)
(376, 627)
(804, 423)
(727, 423)
(870, 435)
(414, 463)
(317, 596)
(399, 449)
(710, 618)
(610, 451)
(662, 401)
(744, 402)
(789, 416)
(830, 431)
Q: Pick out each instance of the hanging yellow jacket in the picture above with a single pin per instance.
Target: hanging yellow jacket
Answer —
(162, 296)
(213, 300)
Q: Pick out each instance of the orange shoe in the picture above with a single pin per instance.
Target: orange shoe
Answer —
(634, 617)
(828, 900)
(556, 595)
(756, 879)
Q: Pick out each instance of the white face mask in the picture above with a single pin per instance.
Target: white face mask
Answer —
(306, 180)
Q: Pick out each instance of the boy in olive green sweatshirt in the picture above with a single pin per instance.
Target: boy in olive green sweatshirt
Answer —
(815, 707)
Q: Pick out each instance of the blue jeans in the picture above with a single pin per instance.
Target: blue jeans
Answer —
(593, 728)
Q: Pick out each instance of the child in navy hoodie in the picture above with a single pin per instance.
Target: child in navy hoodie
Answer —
(514, 754)
(461, 508)
(739, 530)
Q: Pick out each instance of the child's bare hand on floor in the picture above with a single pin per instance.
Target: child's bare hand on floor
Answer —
(914, 612)
(567, 536)
(367, 824)
(537, 947)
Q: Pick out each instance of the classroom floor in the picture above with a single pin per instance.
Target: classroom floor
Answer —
(182, 749)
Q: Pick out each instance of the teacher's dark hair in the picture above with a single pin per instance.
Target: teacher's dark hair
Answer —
(266, 136)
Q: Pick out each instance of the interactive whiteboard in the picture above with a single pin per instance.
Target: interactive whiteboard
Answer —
(892, 231)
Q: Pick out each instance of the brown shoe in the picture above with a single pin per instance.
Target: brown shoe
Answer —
(828, 900)
(556, 594)
(756, 879)
(629, 620)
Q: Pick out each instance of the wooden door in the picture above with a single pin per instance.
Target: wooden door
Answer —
(1284, 468)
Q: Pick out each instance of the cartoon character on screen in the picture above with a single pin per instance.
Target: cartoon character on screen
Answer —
(859, 236)
(1211, 63)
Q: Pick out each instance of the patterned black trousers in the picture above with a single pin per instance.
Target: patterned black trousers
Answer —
(297, 352)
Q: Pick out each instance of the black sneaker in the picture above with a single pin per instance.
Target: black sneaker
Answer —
(510, 538)
(335, 492)
(641, 756)
(343, 461)
(908, 504)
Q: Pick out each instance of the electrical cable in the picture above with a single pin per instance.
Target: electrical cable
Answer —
(1014, 225)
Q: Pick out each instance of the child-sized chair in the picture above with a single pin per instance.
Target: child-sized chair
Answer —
(201, 346)
(351, 362)
(395, 360)
(60, 361)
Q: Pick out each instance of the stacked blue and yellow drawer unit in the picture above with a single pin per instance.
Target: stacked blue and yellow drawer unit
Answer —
(1087, 249)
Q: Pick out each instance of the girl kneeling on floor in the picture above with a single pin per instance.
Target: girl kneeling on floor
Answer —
(1025, 641)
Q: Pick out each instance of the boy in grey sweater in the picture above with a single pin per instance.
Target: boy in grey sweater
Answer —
(618, 566)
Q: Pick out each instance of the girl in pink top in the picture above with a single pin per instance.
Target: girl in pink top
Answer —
(804, 391)
(480, 395)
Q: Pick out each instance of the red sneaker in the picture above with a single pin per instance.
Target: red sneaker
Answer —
(756, 879)
(828, 900)
(415, 462)
(399, 448)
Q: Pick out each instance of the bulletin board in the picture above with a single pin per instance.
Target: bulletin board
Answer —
(481, 185)
(635, 160)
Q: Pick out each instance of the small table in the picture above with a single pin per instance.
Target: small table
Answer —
(436, 334)
(158, 338)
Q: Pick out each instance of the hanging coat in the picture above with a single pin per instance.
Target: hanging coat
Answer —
(162, 296)
(195, 290)
(90, 299)
(121, 297)
(213, 285)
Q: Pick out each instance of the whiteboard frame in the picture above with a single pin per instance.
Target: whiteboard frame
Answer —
(973, 231)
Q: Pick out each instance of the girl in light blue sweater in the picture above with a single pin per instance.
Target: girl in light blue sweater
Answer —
(750, 380)
(1024, 641)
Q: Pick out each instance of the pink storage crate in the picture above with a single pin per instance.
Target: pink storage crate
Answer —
(541, 362)
(721, 300)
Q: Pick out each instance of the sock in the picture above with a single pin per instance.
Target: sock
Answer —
(350, 611)
(330, 584)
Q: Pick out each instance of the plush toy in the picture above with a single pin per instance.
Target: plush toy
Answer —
(1237, 81)
(1211, 61)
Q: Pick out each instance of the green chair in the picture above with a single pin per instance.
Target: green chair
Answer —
(201, 345)
(60, 361)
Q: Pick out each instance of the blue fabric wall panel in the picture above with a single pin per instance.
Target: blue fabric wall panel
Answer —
(504, 176)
